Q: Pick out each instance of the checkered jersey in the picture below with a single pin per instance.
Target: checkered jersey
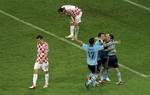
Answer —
(42, 50)
(72, 10)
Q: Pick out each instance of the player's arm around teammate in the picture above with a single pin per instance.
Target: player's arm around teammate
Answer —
(112, 58)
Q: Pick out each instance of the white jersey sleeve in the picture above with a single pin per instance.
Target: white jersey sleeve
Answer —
(68, 7)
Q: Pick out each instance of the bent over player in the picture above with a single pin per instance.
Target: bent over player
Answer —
(41, 61)
(75, 14)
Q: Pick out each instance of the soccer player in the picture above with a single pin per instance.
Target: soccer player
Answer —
(75, 14)
(102, 59)
(41, 61)
(100, 40)
(112, 58)
(92, 55)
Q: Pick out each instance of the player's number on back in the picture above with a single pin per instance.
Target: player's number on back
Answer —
(91, 55)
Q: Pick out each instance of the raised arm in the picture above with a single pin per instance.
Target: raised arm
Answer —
(79, 42)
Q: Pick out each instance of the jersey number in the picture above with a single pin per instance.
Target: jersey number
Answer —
(91, 55)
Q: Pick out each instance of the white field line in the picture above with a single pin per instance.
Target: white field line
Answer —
(38, 28)
(60, 38)
(145, 8)
(138, 73)
(138, 5)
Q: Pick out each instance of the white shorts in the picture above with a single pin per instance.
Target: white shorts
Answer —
(43, 66)
(78, 18)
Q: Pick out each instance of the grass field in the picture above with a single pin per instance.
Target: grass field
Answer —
(129, 23)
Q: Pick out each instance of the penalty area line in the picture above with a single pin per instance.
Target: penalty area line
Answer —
(138, 73)
(138, 5)
(60, 38)
(145, 8)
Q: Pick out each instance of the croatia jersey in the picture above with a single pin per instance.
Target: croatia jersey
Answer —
(42, 50)
(92, 53)
(72, 10)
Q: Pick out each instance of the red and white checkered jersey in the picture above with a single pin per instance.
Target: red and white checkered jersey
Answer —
(72, 10)
(42, 50)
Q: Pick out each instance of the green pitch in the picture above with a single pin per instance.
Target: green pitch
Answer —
(68, 69)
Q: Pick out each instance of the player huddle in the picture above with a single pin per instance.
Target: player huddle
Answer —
(101, 52)
(101, 56)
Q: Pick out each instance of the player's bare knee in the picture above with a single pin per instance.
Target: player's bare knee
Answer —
(72, 24)
(76, 24)
(46, 72)
(35, 71)
(117, 70)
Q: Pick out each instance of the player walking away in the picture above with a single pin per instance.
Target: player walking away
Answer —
(112, 58)
(92, 55)
(41, 61)
(75, 14)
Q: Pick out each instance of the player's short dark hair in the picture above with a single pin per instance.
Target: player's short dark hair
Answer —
(111, 36)
(99, 34)
(60, 10)
(39, 37)
(91, 41)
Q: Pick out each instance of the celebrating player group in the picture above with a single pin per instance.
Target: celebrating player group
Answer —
(101, 56)
(101, 52)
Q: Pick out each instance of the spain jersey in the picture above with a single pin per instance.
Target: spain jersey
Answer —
(72, 10)
(112, 47)
(42, 50)
(100, 52)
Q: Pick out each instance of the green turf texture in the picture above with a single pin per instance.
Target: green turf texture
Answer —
(68, 69)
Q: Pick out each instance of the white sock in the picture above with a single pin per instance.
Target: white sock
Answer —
(72, 30)
(89, 81)
(90, 78)
(101, 77)
(35, 77)
(105, 74)
(46, 78)
(76, 31)
(101, 74)
(119, 76)
(93, 79)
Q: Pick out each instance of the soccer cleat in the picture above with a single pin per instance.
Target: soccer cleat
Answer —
(70, 36)
(103, 81)
(119, 83)
(45, 86)
(32, 87)
(108, 79)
